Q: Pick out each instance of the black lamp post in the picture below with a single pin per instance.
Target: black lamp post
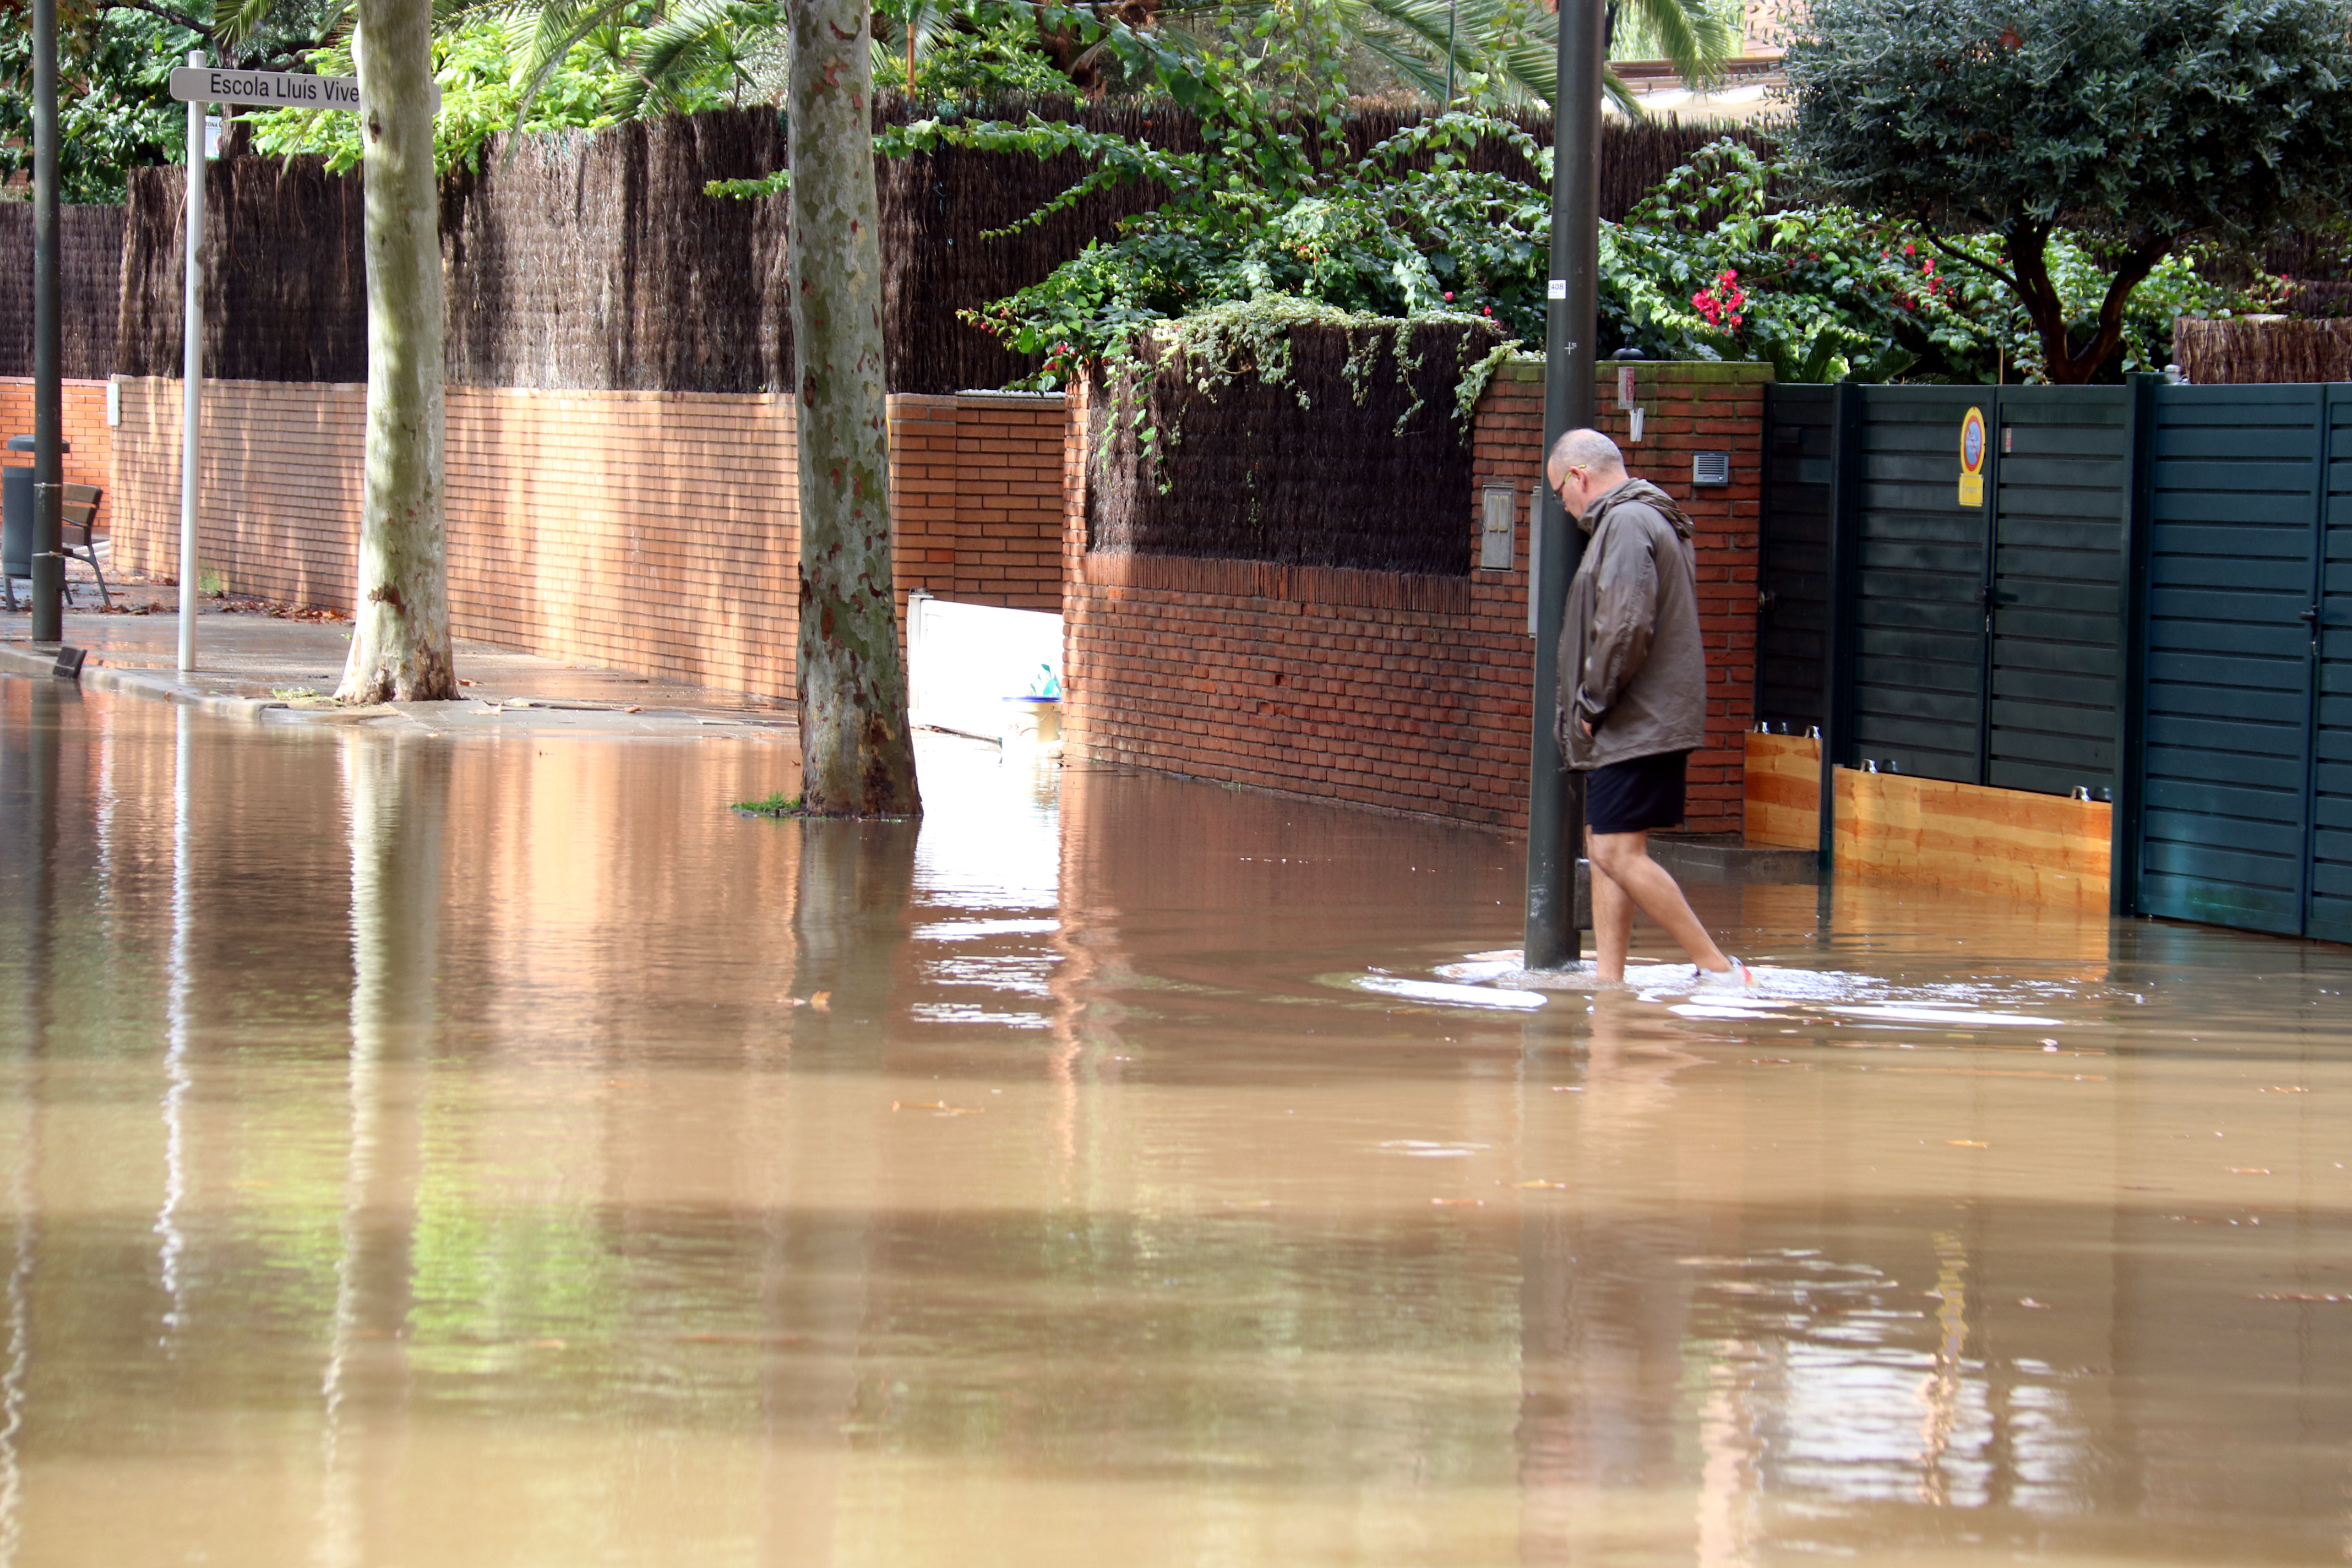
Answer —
(1555, 800)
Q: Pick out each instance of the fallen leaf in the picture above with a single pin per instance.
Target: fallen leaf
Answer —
(822, 1001)
(632, 710)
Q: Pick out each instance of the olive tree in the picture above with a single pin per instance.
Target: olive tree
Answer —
(2140, 126)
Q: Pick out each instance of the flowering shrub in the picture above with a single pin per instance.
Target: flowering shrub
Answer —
(1720, 304)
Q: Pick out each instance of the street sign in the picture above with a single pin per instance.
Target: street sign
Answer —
(271, 90)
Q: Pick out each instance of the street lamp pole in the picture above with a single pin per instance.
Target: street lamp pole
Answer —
(48, 404)
(1555, 801)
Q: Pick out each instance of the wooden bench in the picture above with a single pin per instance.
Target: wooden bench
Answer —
(76, 523)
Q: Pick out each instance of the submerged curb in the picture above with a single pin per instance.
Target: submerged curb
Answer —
(41, 658)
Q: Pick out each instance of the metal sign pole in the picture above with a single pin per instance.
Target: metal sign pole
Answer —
(196, 86)
(1555, 807)
(192, 375)
(49, 408)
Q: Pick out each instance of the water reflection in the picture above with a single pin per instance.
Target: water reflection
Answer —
(501, 1152)
(395, 792)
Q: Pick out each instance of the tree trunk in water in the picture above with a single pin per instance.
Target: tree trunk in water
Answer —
(400, 647)
(856, 757)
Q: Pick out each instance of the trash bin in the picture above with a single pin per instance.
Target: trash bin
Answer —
(17, 512)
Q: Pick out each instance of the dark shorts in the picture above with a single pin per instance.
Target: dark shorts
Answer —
(1638, 794)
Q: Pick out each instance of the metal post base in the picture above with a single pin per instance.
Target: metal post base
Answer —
(48, 596)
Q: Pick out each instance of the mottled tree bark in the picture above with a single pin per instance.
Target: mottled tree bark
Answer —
(856, 757)
(400, 647)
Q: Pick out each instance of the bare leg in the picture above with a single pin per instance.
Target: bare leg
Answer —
(1621, 861)
(1613, 920)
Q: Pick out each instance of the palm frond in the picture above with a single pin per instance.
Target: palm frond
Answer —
(552, 27)
(234, 21)
(1693, 37)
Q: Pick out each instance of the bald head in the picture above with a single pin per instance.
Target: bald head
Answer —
(1585, 449)
(1583, 464)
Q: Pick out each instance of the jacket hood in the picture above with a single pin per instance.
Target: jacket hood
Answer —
(1636, 490)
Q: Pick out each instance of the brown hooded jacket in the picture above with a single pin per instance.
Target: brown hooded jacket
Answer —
(1630, 657)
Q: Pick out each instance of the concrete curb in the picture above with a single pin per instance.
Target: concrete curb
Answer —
(41, 658)
(1723, 857)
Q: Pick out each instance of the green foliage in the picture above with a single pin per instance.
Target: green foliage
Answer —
(115, 108)
(776, 805)
(1273, 207)
(482, 66)
(964, 54)
(1826, 292)
(2139, 127)
(1505, 52)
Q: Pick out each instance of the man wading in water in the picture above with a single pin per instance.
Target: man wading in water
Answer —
(1632, 695)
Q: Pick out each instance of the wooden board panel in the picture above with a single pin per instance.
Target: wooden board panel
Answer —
(1972, 839)
(1784, 791)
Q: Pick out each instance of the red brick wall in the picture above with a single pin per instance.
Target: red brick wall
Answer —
(1389, 689)
(976, 497)
(92, 444)
(644, 530)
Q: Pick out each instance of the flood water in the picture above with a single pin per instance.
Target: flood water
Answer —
(498, 1152)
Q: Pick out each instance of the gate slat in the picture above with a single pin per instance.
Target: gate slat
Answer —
(1792, 565)
(2227, 697)
(1917, 682)
(2329, 911)
(2063, 494)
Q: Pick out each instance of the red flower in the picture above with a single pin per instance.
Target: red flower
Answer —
(1449, 295)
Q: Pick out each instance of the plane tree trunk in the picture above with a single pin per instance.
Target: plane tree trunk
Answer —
(400, 644)
(856, 756)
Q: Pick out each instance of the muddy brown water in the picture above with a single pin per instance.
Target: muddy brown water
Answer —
(430, 1152)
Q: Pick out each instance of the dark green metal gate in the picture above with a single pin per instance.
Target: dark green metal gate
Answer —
(2245, 785)
(2151, 603)
(1988, 641)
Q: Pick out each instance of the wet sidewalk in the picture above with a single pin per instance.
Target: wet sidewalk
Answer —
(256, 666)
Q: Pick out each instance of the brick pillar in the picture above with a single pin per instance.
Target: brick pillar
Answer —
(1077, 626)
(922, 494)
